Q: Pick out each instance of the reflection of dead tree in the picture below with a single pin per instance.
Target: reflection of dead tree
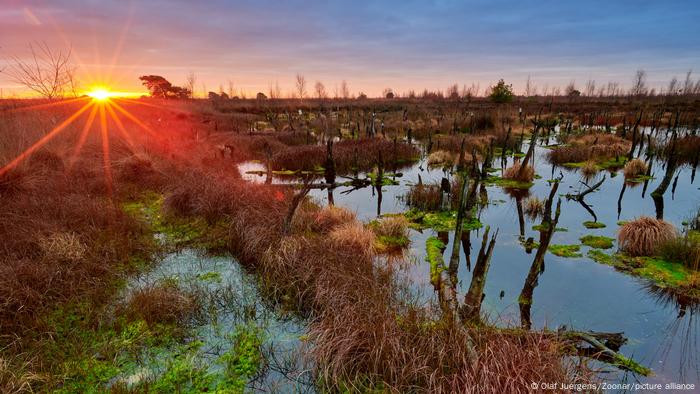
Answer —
(47, 72)
(471, 309)
(671, 166)
(579, 197)
(548, 227)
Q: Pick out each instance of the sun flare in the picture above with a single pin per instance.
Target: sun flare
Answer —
(100, 94)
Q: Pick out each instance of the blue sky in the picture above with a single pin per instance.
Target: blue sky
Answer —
(373, 45)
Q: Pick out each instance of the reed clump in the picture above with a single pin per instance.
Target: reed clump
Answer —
(514, 173)
(595, 147)
(635, 168)
(534, 207)
(643, 236)
(426, 197)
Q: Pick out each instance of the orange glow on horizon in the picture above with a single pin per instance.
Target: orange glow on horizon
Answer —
(101, 93)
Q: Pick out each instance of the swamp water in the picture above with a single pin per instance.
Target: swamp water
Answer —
(231, 313)
(575, 292)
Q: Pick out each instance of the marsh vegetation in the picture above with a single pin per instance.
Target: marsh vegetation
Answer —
(349, 245)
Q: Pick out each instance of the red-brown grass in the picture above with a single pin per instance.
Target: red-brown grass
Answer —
(513, 172)
(635, 168)
(362, 154)
(643, 236)
(534, 207)
(426, 197)
(163, 303)
(589, 147)
(331, 217)
(589, 168)
(392, 226)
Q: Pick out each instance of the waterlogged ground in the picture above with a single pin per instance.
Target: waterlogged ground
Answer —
(576, 292)
(234, 342)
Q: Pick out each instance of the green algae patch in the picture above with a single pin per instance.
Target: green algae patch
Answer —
(545, 226)
(640, 179)
(622, 222)
(601, 164)
(565, 250)
(597, 241)
(433, 255)
(590, 224)
(388, 244)
(507, 183)
(177, 231)
(285, 172)
(439, 221)
(664, 274)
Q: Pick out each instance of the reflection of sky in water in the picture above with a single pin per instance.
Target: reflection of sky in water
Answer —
(576, 292)
(231, 299)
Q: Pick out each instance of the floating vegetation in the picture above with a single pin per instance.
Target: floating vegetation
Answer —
(565, 250)
(591, 225)
(597, 241)
(440, 221)
(545, 227)
(662, 273)
(507, 183)
(434, 249)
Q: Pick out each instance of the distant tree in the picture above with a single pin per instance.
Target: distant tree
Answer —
(261, 96)
(639, 84)
(361, 96)
(213, 96)
(453, 92)
(388, 93)
(673, 86)
(48, 72)
(160, 87)
(571, 90)
(501, 93)
(590, 88)
(344, 90)
(688, 84)
(231, 92)
(300, 86)
(320, 90)
(224, 96)
(528, 87)
(191, 82)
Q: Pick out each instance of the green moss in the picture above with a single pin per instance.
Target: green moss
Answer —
(433, 254)
(386, 179)
(439, 221)
(640, 179)
(631, 365)
(600, 257)
(507, 183)
(597, 241)
(177, 231)
(386, 244)
(601, 164)
(284, 172)
(565, 250)
(591, 224)
(545, 226)
(662, 273)
(622, 222)
(210, 277)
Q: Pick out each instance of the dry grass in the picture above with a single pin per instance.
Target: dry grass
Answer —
(590, 147)
(331, 217)
(513, 172)
(441, 157)
(353, 236)
(589, 168)
(635, 168)
(62, 247)
(361, 154)
(534, 207)
(426, 197)
(643, 236)
(392, 226)
(163, 303)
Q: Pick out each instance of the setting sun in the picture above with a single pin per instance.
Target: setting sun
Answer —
(100, 94)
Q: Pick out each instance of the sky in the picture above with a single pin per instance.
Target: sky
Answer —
(401, 45)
